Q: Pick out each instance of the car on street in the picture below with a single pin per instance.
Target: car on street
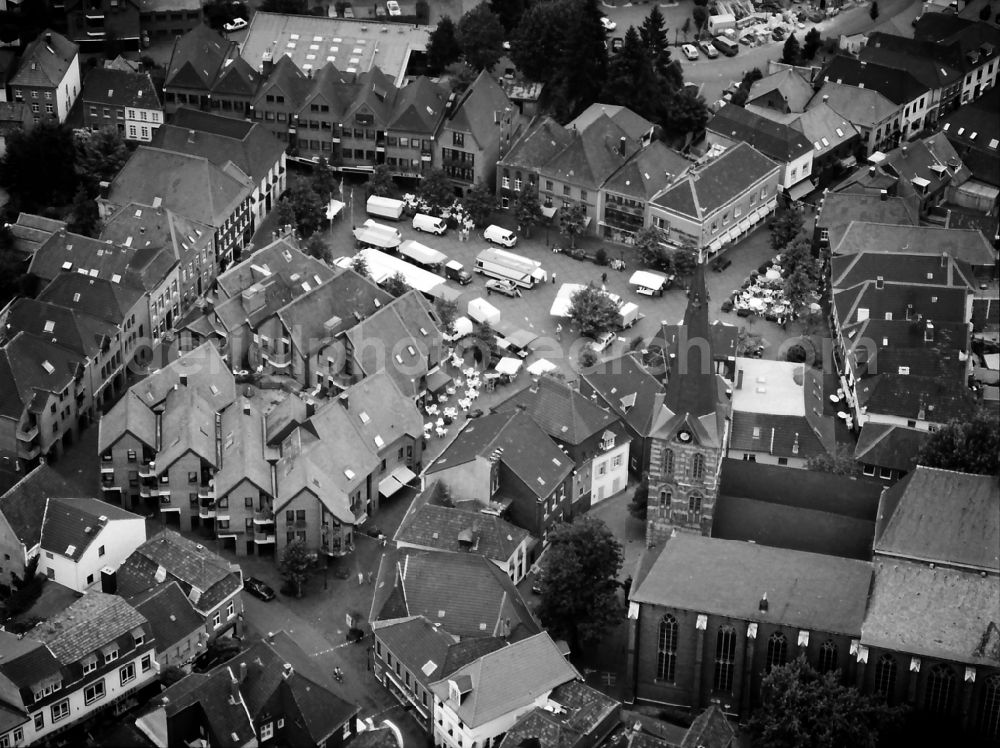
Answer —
(690, 51)
(778, 34)
(710, 51)
(236, 24)
(258, 589)
(393, 7)
(608, 24)
(603, 340)
(507, 288)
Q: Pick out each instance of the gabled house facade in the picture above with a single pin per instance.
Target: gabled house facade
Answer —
(48, 78)
(125, 101)
(206, 72)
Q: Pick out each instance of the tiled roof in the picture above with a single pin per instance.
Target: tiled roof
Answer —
(560, 410)
(919, 58)
(839, 209)
(64, 251)
(287, 79)
(439, 528)
(526, 450)
(37, 367)
(974, 133)
(932, 159)
(778, 435)
(940, 613)
(937, 303)
(191, 564)
(119, 88)
(466, 594)
(243, 455)
(916, 397)
(97, 297)
(91, 622)
(592, 155)
(944, 517)
(170, 614)
(899, 86)
(710, 729)
(278, 259)
(31, 230)
(849, 270)
(128, 415)
(71, 525)
(793, 88)
(630, 390)
(886, 446)
(207, 695)
(23, 505)
(974, 40)
(542, 141)
(474, 112)
(197, 59)
(381, 412)
(647, 171)
(187, 425)
(509, 679)
(74, 330)
(584, 710)
(824, 128)
(252, 147)
(25, 661)
(779, 142)
(728, 578)
(707, 188)
(860, 106)
(419, 107)
(45, 61)
(635, 126)
(203, 369)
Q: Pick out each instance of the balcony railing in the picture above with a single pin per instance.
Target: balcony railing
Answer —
(263, 537)
(150, 491)
(148, 469)
(263, 518)
(107, 469)
(206, 492)
(279, 360)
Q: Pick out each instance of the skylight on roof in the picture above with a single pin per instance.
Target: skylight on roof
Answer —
(973, 136)
(70, 550)
(840, 133)
(49, 325)
(314, 47)
(961, 130)
(365, 418)
(349, 473)
(826, 143)
(946, 126)
(994, 143)
(293, 36)
(76, 297)
(116, 278)
(49, 368)
(290, 45)
(379, 442)
(67, 265)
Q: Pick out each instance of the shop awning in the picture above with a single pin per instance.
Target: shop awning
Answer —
(522, 338)
(398, 478)
(437, 381)
(549, 210)
(715, 246)
(509, 366)
(541, 366)
(756, 215)
(744, 225)
(333, 209)
(800, 190)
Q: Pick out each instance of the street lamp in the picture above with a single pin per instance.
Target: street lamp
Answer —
(548, 219)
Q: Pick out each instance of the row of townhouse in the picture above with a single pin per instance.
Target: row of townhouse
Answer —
(257, 472)
(131, 25)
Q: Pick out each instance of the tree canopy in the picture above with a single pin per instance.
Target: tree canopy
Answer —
(38, 167)
(966, 445)
(294, 565)
(435, 189)
(447, 312)
(649, 242)
(572, 222)
(303, 206)
(480, 35)
(380, 182)
(99, 156)
(785, 226)
(593, 310)
(479, 203)
(812, 43)
(527, 209)
(579, 585)
(509, 12)
(442, 47)
(396, 285)
(842, 462)
(791, 51)
(801, 708)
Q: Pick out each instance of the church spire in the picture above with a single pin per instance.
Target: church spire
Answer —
(691, 387)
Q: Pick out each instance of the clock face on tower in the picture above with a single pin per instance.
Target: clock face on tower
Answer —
(684, 436)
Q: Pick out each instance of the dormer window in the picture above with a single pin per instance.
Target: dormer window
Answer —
(607, 440)
(89, 664)
(110, 653)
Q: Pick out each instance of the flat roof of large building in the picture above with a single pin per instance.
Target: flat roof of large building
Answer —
(353, 45)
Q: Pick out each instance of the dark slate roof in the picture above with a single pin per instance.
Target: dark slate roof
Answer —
(710, 729)
(439, 528)
(544, 139)
(942, 516)
(474, 112)
(23, 505)
(647, 171)
(974, 133)
(779, 435)
(169, 613)
(419, 107)
(189, 563)
(197, 58)
(45, 61)
(97, 297)
(76, 523)
(899, 86)
(287, 79)
(204, 698)
(692, 385)
(119, 88)
(25, 661)
(924, 60)
(969, 42)
(585, 710)
(560, 410)
(838, 210)
(886, 446)
(707, 188)
(37, 367)
(630, 390)
(728, 578)
(777, 141)
(789, 83)
(89, 623)
(592, 155)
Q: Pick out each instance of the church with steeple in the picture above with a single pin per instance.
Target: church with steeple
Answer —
(688, 440)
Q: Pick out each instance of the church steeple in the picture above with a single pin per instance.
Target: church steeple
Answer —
(691, 387)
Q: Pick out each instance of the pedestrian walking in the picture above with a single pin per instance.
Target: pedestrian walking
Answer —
(604, 278)
(559, 332)
(553, 279)
(361, 579)
(370, 574)
(382, 540)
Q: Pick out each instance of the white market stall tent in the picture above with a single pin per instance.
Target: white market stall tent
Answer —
(481, 311)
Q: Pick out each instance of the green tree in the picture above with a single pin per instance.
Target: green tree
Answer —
(461, 75)
(700, 16)
(479, 203)
(572, 220)
(579, 588)
(684, 112)
(442, 47)
(396, 285)
(99, 156)
(842, 462)
(324, 181)
(791, 51)
(653, 34)
(480, 35)
(649, 242)
(812, 43)
(294, 565)
(967, 445)
(170, 675)
(632, 78)
(380, 182)
(580, 69)
(25, 588)
(317, 247)
(640, 500)
(684, 261)
(527, 209)
(593, 311)
(85, 216)
(785, 226)
(873, 11)
(435, 189)
(360, 266)
(37, 168)
(484, 333)
(743, 92)
(801, 708)
(509, 12)
(308, 210)
(447, 313)
(538, 40)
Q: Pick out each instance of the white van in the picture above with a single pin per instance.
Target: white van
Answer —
(430, 224)
(500, 235)
(385, 207)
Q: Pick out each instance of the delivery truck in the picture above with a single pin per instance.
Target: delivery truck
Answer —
(422, 256)
(504, 265)
(385, 207)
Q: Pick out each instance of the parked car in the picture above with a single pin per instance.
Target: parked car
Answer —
(710, 51)
(603, 340)
(778, 34)
(507, 288)
(258, 589)
(721, 264)
(236, 24)
(690, 51)
(608, 24)
(393, 7)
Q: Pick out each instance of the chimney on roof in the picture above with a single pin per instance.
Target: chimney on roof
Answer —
(944, 255)
(947, 218)
(904, 149)
(621, 146)
(929, 332)
(344, 400)
(287, 670)
(883, 194)
(109, 581)
(104, 188)
(242, 672)
(48, 37)
(191, 136)
(871, 171)
(762, 605)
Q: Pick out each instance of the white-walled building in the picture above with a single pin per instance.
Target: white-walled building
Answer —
(82, 536)
(48, 78)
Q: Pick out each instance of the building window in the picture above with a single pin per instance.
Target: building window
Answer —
(698, 466)
(885, 676)
(694, 508)
(665, 498)
(94, 692)
(217, 619)
(940, 689)
(989, 712)
(230, 609)
(777, 651)
(725, 659)
(60, 710)
(267, 731)
(90, 666)
(828, 656)
(127, 673)
(100, 551)
(39, 721)
(111, 655)
(668, 462)
(146, 663)
(666, 657)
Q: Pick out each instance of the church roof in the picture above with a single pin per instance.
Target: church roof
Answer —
(692, 385)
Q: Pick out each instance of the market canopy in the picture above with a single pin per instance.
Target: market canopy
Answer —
(648, 279)
(509, 366)
(549, 210)
(398, 478)
(541, 366)
(438, 380)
